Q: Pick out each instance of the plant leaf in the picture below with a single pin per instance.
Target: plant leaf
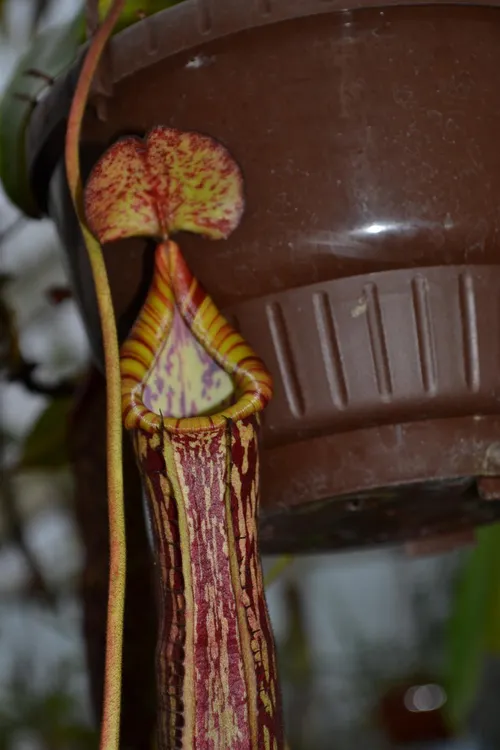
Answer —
(492, 624)
(45, 446)
(170, 181)
(50, 53)
(475, 616)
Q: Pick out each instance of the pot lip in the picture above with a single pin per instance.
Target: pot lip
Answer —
(183, 27)
(192, 23)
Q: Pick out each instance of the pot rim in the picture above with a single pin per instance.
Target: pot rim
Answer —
(180, 28)
(192, 23)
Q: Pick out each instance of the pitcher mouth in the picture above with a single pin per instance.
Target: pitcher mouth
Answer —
(174, 292)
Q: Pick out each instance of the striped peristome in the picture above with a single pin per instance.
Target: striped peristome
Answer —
(174, 288)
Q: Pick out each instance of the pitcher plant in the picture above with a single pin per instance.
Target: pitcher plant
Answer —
(191, 390)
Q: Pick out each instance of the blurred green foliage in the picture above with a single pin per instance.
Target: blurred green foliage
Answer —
(52, 716)
(474, 626)
(46, 445)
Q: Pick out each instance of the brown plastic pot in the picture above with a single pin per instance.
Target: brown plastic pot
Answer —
(366, 269)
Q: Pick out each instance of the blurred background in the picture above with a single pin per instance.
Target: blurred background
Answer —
(378, 649)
